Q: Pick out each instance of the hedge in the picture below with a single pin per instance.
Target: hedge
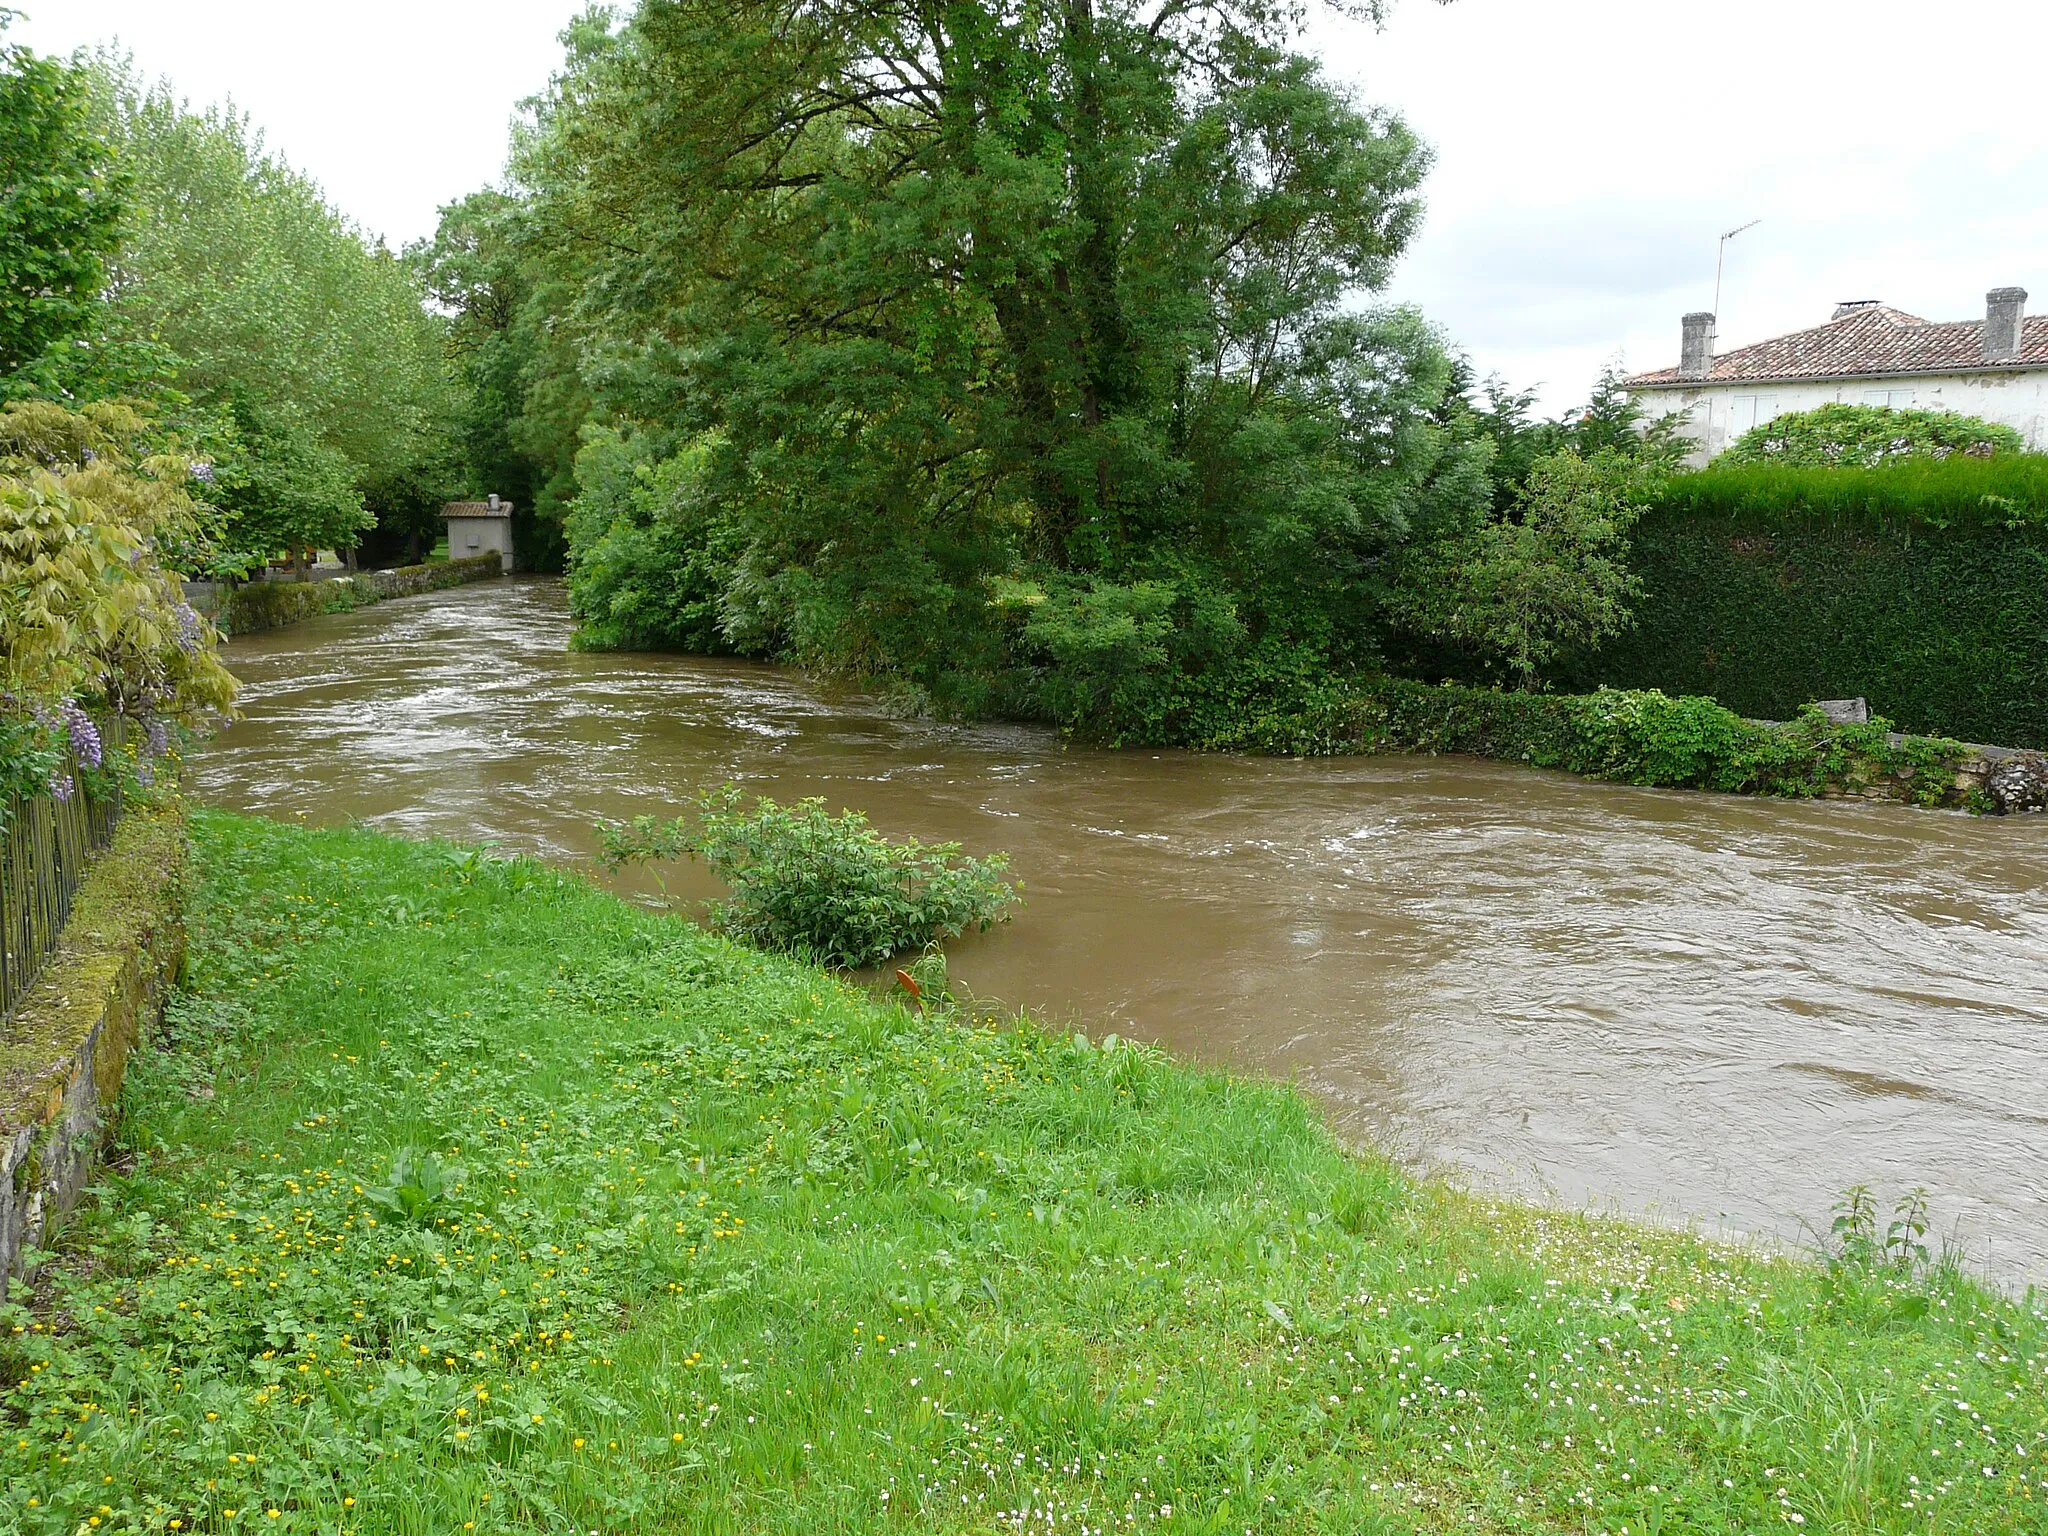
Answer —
(1922, 588)
(1918, 493)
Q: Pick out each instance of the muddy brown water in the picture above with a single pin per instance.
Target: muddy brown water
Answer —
(1692, 1007)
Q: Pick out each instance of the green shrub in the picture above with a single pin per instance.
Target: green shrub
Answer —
(650, 552)
(1839, 435)
(828, 888)
(1631, 737)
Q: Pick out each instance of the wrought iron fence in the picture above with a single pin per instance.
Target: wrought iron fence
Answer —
(48, 845)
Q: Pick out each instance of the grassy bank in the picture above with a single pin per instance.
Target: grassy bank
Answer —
(464, 1197)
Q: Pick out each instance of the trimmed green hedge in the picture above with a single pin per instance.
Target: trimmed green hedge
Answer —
(1955, 492)
(1922, 588)
(1631, 737)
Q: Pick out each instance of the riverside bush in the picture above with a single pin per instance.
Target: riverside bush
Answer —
(826, 887)
(742, 1248)
(1629, 736)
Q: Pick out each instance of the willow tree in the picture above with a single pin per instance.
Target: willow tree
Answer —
(1015, 325)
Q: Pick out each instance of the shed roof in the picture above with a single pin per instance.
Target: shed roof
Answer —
(476, 509)
(1870, 342)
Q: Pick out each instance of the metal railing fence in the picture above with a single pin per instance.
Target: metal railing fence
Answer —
(44, 853)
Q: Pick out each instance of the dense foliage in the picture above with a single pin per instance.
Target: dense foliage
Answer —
(296, 352)
(507, 280)
(1007, 356)
(827, 888)
(96, 516)
(654, 550)
(1552, 575)
(1941, 629)
(60, 206)
(1864, 436)
(1907, 497)
(613, 1226)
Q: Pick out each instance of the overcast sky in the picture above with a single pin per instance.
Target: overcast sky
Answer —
(1588, 151)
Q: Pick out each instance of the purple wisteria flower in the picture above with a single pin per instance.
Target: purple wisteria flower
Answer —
(190, 628)
(85, 736)
(202, 471)
(61, 787)
(157, 740)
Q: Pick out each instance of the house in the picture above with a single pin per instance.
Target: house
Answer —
(480, 528)
(1867, 354)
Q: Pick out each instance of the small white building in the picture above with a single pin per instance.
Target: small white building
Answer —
(479, 528)
(1867, 354)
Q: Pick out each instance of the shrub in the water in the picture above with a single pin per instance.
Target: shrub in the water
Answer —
(827, 887)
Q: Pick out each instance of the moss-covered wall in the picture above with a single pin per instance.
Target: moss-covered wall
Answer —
(65, 1051)
(258, 605)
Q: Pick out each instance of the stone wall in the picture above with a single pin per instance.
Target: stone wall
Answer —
(65, 1051)
(250, 606)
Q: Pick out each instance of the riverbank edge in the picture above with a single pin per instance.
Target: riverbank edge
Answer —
(66, 1049)
(1648, 738)
(1310, 1237)
(248, 607)
(1642, 737)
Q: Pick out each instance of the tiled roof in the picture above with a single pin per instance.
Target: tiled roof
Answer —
(476, 509)
(1873, 341)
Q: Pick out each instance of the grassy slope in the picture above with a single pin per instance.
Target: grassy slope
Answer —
(743, 1250)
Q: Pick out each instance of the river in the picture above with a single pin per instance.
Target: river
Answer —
(1692, 1007)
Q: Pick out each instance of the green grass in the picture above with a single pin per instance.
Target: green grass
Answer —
(741, 1249)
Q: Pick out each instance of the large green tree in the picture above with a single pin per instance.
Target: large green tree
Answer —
(512, 342)
(1019, 343)
(299, 352)
(60, 209)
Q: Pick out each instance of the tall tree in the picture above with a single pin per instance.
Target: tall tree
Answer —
(60, 209)
(507, 290)
(301, 351)
(1058, 295)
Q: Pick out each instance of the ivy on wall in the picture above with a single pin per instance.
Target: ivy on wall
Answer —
(1627, 736)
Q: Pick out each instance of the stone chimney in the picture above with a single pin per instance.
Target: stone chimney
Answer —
(1696, 345)
(2004, 309)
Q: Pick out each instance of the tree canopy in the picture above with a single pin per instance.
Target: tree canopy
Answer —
(991, 343)
(60, 209)
(1862, 436)
(295, 353)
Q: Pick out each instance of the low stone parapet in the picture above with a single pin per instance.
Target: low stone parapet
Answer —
(244, 608)
(65, 1050)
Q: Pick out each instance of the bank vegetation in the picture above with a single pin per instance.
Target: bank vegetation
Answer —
(615, 1225)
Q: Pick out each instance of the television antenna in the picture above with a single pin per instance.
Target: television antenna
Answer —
(1720, 259)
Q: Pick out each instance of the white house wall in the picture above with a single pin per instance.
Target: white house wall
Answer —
(1717, 414)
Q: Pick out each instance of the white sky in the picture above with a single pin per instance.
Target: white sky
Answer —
(1588, 151)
